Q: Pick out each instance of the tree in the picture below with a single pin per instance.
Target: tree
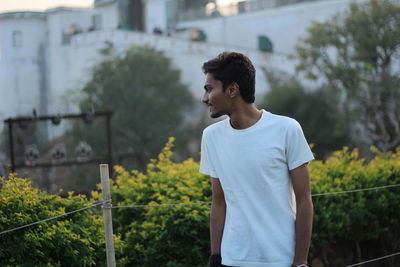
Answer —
(149, 101)
(324, 128)
(355, 56)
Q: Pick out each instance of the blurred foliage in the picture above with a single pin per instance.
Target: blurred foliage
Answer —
(348, 228)
(73, 240)
(150, 104)
(322, 126)
(359, 225)
(175, 236)
(356, 56)
(24, 134)
(4, 152)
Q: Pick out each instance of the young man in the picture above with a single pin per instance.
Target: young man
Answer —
(257, 162)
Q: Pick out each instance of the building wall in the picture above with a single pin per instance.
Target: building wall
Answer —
(64, 45)
(156, 15)
(188, 56)
(283, 25)
(62, 25)
(37, 75)
(61, 66)
(21, 73)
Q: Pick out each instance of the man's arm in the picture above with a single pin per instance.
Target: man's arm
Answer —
(217, 220)
(304, 206)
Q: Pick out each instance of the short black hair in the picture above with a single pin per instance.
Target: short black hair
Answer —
(233, 67)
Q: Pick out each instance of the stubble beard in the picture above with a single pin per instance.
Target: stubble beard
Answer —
(216, 115)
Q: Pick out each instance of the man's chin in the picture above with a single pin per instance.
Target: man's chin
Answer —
(215, 115)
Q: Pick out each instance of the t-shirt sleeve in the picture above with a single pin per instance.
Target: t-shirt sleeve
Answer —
(298, 151)
(206, 165)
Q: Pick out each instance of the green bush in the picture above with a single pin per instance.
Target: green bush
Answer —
(348, 228)
(163, 236)
(352, 227)
(73, 240)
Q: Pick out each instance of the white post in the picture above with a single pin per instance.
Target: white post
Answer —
(107, 216)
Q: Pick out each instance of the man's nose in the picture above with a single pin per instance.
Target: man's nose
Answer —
(205, 98)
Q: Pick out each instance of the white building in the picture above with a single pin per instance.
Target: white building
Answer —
(44, 56)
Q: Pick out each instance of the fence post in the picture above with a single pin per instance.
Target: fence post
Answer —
(107, 216)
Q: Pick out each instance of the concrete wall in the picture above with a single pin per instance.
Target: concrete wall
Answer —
(188, 56)
(283, 25)
(61, 66)
(21, 67)
(155, 15)
(58, 62)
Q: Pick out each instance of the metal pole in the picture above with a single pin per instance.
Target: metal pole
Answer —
(107, 216)
(109, 142)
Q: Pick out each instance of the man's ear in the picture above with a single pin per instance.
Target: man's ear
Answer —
(233, 90)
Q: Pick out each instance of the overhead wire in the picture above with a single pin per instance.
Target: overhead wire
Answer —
(162, 205)
(355, 190)
(52, 218)
(175, 204)
(377, 259)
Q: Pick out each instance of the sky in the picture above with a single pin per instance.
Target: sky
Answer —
(40, 5)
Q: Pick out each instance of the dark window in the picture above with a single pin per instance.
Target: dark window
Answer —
(17, 39)
(265, 44)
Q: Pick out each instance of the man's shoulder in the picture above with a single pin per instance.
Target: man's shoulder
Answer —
(282, 120)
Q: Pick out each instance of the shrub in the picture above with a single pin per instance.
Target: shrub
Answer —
(163, 236)
(73, 240)
(361, 225)
(348, 228)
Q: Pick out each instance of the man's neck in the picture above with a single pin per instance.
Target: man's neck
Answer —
(245, 116)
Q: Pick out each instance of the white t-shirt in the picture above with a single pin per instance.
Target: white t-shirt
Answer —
(253, 168)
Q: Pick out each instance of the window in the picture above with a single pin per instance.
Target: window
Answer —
(96, 22)
(17, 39)
(197, 35)
(265, 44)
